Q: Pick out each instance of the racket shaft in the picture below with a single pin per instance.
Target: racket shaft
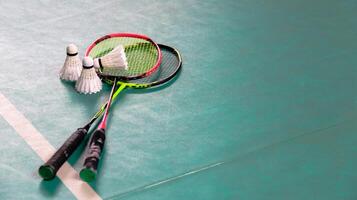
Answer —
(94, 152)
(65, 151)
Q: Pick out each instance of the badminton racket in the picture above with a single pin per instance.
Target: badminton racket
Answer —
(171, 63)
(96, 143)
(143, 58)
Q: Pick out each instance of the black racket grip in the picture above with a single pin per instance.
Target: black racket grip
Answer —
(93, 155)
(49, 169)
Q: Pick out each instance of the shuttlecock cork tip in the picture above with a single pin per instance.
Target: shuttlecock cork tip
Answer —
(96, 63)
(72, 50)
(87, 62)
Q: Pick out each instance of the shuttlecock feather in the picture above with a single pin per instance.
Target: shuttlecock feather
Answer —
(88, 82)
(72, 67)
(112, 62)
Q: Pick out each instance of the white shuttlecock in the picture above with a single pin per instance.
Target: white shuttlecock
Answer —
(112, 62)
(88, 82)
(72, 66)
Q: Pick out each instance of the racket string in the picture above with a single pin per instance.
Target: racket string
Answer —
(141, 54)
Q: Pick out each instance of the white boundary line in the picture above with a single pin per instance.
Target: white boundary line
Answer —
(67, 174)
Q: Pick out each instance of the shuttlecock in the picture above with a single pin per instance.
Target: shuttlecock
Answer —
(72, 66)
(112, 62)
(88, 82)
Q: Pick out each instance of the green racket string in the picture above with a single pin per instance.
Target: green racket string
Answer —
(141, 55)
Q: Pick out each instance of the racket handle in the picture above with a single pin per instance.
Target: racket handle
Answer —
(92, 158)
(48, 170)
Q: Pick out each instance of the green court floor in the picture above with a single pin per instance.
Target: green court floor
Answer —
(264, 108)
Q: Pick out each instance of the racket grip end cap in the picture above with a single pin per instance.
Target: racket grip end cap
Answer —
(46, 172)
(87, 175)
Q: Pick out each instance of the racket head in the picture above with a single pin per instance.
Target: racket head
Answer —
(143, 54)
(171, 64)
